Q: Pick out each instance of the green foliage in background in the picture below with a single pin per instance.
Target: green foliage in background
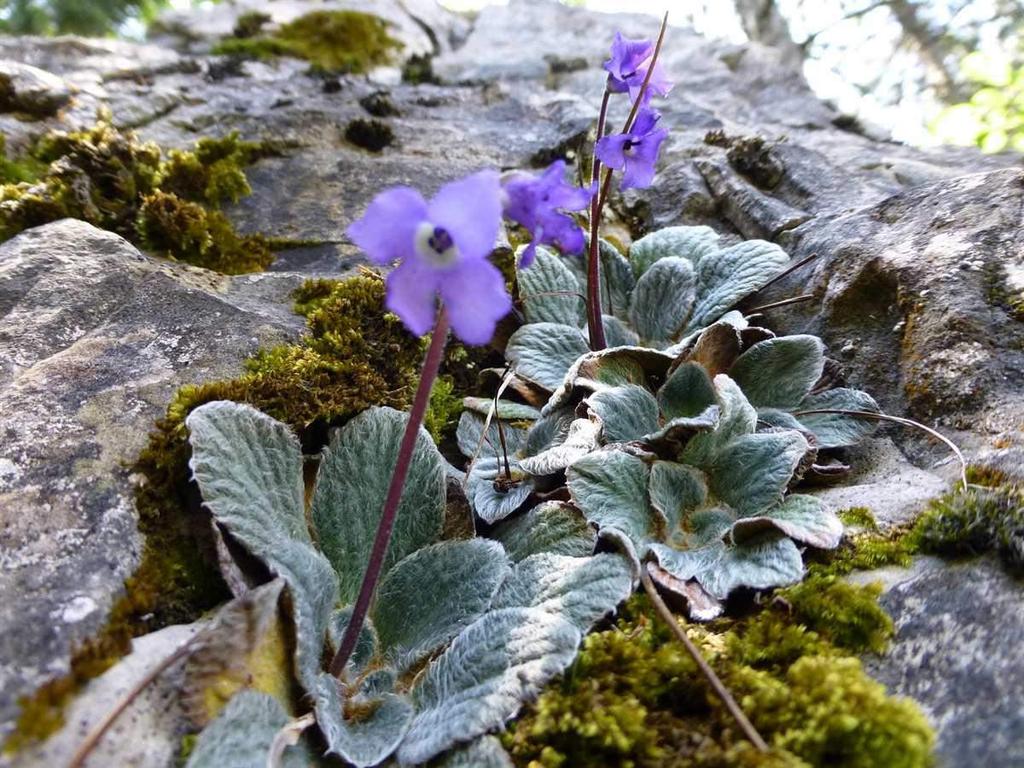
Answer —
(993, 118)
(82, 17)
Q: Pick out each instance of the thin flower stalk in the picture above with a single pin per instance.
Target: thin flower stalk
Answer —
(716, 684)
(637, 103)
(595, 324)
(431, 365)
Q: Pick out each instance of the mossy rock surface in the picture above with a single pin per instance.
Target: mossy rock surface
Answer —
(165, 203)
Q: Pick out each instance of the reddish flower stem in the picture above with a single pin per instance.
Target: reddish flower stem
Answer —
(431, 365)
(595, 325)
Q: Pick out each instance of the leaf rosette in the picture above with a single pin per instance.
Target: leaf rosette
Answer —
(461, 632)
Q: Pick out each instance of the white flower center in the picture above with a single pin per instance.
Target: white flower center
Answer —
(435, 245)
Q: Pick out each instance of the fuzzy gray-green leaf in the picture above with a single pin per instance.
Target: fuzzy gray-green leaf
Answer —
(610, 488)
(351, 485)
(801, 517)
(484, 752)
(727, 276)
(663, 299)
(626, 413)
(675, 489)
(241, 735)
(833, 430)
(507, 409)
(691, 243)
(688, 392)
(433, 594)
(471, 428)
(488, 672)
(543, 352)
(491, 500)
(581, 439)
(779, 372)
(617, 333)
(552, 526)
(366, 643)
(769, 561)
(549, 291)
(365, 741)
(248, 467)
(737, 417)
(580, 589)
(751, 472)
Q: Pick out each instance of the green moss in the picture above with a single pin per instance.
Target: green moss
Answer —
(99, 175)
(868, 550)
(370, 134)
(860, 517)
(250, 24)
(826, 710)
(212, 172)
(23, 169)
(634, 698)
(184, 231)
(332, 41)
(419, 69)
(846, 615)
(108, 178)
(444, 409)
(973, 521)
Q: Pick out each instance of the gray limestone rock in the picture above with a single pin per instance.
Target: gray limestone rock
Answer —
(95, 339)
(30, 90)
(959, 628)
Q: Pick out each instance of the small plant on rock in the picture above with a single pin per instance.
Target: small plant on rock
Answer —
(668, 433)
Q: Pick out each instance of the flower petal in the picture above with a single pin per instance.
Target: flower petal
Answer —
(470, 209)
(646, 119)
(387, 230)
(640, 168)
(526, 259)
(412, 294)
(627, 56)
(611, 150)
(474, 292)
(563, 231)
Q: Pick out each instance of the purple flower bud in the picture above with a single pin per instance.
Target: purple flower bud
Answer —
(636, 151)
(441, 248)
(538, 203)
(628, 66)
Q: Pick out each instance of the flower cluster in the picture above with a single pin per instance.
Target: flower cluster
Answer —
(635, 151)
(539, 203)
(441, 247)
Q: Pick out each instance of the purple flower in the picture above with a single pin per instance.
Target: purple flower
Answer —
(442, 249)
(636, 151)
(628, 65)
(538, 202)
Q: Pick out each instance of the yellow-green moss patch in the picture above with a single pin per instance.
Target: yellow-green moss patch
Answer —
(331, 41)
(107, 177)
(975, 520)
(634, 698)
